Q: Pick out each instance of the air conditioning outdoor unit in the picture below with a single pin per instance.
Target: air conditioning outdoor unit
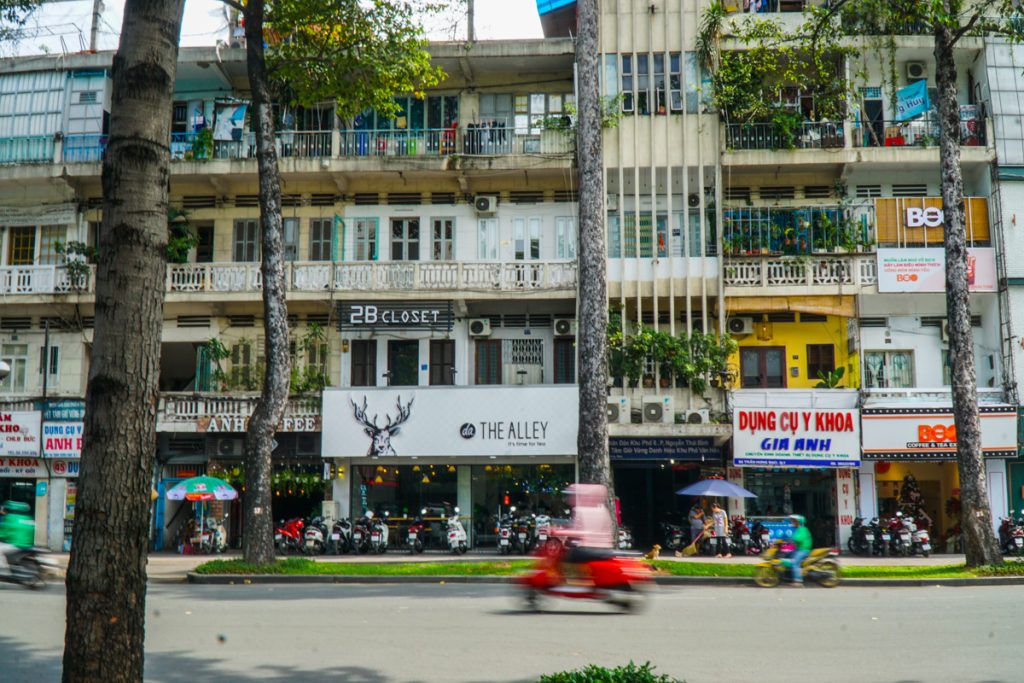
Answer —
(698, 417)
(916, 71)
(658, 409)
(740, 326)
(485, 203)
(617, 409)
(228, 447)
(480, 327)
(944, 332)
(693, 200)
(565, 327)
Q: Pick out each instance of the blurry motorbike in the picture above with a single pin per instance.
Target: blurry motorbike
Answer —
(542, 529)
(340, 540)
(741, 541)
(505, 532)
(625, 538)
(594, 574)
(821, 565)
(761, 538)
(315, 537)
(28, 567)
(379, 533)
(288, 537)
(675, 536)
(862, 538)
(361, 533)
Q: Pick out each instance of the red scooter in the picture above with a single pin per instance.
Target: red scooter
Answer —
(289, 536)
(595, 574)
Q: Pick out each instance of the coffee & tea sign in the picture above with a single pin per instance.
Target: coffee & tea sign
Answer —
(787, 437)
(19, 433)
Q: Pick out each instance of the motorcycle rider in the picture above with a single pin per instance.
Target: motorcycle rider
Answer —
(802, 540)
(17, 530)
(591, 527)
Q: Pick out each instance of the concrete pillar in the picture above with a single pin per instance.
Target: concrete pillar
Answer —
(995, 473)
(464, 498)
(867, 492)
(55, 523)
(735, 506)
(42, 510)
(341, 487)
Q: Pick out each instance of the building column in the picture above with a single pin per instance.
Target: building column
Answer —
(55, 523)
(42, 511)
(867, 492)
(995, 474)
(341, 487)
(464, 498)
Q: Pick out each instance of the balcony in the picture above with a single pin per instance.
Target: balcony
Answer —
(84, 148)
(818, 274)
(26, 150)
(51, 279)
(922, 133)
(769, 136)
(205, 412)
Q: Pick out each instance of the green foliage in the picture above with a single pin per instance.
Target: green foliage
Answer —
(308, 376)
(181, 237)
(631, 673)
(830, 380)
(358, 53)
(202, 145)
(218, 353)
(76, 257)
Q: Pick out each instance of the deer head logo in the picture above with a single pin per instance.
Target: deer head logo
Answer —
(380, 437)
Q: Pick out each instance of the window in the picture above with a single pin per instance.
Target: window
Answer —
(405, 239)
(246, 240)
(204, 244)
(643, 84)
(16, 356)
(661, 103)
(565, 238)
(442, 362)
(487, 239)
(888, 369)
(321, 239)
(53, 364)
(614, 238)
(820, 358)
(693, 73)
(290, 230)
(21, 246)
(628, 102)
(611, 76)
(675, 82)
(527, 238)
(443, 239)
(364, 363)
(565, 361)
(488, 361)
(49, 236)
(403, 363)
(244, 365)
(366, 239)
(763, 367)
(522, 361)
(649, 235)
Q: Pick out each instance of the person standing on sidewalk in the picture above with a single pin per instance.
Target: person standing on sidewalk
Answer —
(721, 522)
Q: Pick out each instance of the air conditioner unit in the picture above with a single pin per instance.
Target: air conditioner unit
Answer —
(698, 417)
(480, 327)
(485, 203)
(565, 327)
(228, 447)
(944, 332)
(307, 444)
(658, 409)
(693, 200)
(612, 202)
(916, 71)
(617, 409)
(737, 326)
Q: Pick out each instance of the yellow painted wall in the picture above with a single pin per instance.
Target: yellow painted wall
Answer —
(795, 337)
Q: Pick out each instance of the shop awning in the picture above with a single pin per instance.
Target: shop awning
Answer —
(841, 305)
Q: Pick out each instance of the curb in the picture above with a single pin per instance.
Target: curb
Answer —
(295, 579)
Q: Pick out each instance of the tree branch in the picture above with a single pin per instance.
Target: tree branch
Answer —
(234, 5)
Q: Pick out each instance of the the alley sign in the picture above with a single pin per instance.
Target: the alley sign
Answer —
(781, 437)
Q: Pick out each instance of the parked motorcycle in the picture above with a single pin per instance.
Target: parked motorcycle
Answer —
(675, 536)
(28, 567)
(862, 538)
(340, 540)
(458, 542)
(361, 533)
(416, 534)
(1011, 535)
(625, 538)
(741, 541)
(821, 565)
(288, 537)
(542, 529)
(900, 542)
(505, 531)
(522, 535)
(760, 537)
(379, 534)
(883, 537)
(920, 540)
(599, 574)
(315, 537)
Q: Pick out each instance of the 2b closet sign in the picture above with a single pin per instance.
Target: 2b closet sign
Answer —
(435, 316)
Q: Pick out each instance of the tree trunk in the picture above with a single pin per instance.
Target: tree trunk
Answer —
(106, 579)
(258, 540)
(979, 537)
(592, 442)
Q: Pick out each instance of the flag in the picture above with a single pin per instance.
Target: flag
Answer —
(912, 101)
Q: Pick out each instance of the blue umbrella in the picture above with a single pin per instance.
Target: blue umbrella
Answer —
(716, 487)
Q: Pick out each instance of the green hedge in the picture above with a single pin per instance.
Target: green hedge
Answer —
(631, 673)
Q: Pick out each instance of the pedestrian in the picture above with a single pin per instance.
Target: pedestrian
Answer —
(721, 524)
(696, 522)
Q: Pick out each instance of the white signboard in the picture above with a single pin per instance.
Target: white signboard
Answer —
(787, 437)
(930, 434)
(65, 468)
(19, 433)
(450, 421)
(23, 468)
(62, 439)
(924, 270)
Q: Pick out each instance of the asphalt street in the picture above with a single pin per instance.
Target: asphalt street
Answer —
(476, 633)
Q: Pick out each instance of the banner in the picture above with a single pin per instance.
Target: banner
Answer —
(780, 437)
(450, 421)
(229, 120)
(928, 433)
(924, 270)
(22, 468)
(62, 439)
(687, 449)
(19, 433)
(912, 101)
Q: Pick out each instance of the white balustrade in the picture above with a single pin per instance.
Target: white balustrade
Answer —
(819, 270)
(50, 279)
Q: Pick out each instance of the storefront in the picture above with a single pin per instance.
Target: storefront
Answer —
(798, 459)
(481, 449)
(910, 462)
(23, 475)
(62, 430)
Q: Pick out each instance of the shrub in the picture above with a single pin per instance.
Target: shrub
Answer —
(631, 673)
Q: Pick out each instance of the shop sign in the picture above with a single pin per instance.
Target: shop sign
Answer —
(692, 449)
(19, 433)
(776, 437)
(27, 468)
(924, 270)
(64, 468)
(450, 421)
(436, 316)
(930, 433)
(236, 424)
(68, 410)
(62, 439)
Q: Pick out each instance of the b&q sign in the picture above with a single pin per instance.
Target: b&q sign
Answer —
(796, 437)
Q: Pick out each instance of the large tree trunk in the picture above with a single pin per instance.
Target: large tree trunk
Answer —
(976, 519)
(106, 580)
(592, 441)
(258, 545)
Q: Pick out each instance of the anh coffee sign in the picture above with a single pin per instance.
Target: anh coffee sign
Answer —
(781, 437)
(354, 316)
(238, 424)
(930, 433)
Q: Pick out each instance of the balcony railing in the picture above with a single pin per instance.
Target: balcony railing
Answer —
(918, 133)
(366, 276)
(84, 148)
(397, 143)
(769, 136)
(51, 279)
(21, 150)
(813, 271)
(190, 409)
(752, 231)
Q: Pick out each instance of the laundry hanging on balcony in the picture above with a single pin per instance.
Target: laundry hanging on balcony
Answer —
(912, 101)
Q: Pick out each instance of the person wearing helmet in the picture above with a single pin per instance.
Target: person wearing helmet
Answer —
(802, 540)
(17, 530)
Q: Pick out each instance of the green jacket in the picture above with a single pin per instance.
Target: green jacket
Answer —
(18, 529)
(802, 539)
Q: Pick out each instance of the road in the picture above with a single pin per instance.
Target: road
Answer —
(475, 633)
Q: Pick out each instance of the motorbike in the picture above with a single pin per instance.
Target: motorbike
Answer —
(288, 537)
(625, 538)
(862, 538)
(920, 540)
(741, 541)
(457, 539)
(883, 537)
(542, 529)
(361, 533)
(315, 537)
(597, 574)
(28, 567)
(900, 542)
(379, 534)
(340, 540)
(675, 536)
(761, 538)
(416, 534)
(821, 565)
(522, 535)
(1011, 535)
(505, 524)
